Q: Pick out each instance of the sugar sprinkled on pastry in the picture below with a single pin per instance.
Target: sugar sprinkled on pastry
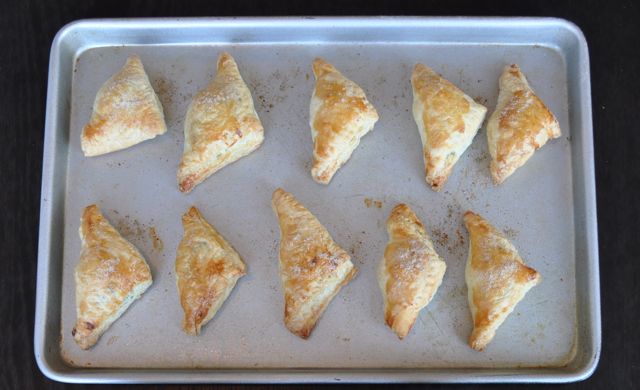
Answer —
(126, 112)
(447, 121)
(313, 268)
(340, 115)
(410, 272)
(207, 269)
(519, 126)
(497, 279)
(221, 126)
(110, 276)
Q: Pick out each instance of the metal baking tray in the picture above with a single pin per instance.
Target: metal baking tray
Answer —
(547, 208)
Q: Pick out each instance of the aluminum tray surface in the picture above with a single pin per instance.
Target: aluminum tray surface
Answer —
(546, 208)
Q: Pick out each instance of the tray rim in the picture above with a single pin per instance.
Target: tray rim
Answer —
(584, 368)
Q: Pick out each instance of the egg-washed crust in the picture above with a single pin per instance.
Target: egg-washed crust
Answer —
(497, 279)
(207, 269)
(313, 267)
(340, 115)
(110, 276)
(126, 111)
(221, 126)
(447, 121)
(519, 126)
(410, 272)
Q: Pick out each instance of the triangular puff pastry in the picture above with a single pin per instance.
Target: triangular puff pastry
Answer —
(207, 269)
(221, 126)
(497, 279)
(313, 267)
(110, 276)
(410, 272)
(447, 121)
(520, 124)
(340, 115)
(126, 112)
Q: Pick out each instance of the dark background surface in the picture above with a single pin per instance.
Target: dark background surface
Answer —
(612, 30)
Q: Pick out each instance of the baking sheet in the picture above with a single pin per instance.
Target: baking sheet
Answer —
(136, 190)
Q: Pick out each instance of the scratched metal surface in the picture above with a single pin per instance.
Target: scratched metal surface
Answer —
(136, 190)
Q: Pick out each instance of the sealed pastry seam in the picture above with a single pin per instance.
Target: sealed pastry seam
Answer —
(221, 126)
(313, 268)
(110, 276)
(207, 269)
(126, 112)
(447, 121)
(340, 115)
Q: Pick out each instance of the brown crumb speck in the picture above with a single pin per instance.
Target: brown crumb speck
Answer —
(441, 237)
(511, 233)
(130, 228)
(372, 202)
(155, 239)
(355, 248)
(166, 91)
(481, 100)
(482, 157)
(449, 211)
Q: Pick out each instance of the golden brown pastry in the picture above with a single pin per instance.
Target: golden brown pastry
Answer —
(519, 126)
(447, 121)
(221, 126)
(497, 279)
(110, 276)
(410, 272)
(126, 112)
(207, 269)
(313, 267)
(340, 115)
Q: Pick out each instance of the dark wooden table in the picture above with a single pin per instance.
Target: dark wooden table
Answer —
(613, 33)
